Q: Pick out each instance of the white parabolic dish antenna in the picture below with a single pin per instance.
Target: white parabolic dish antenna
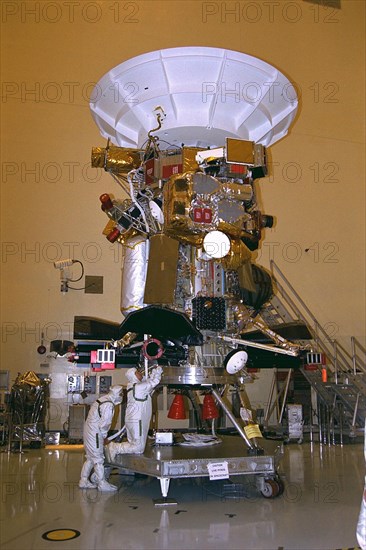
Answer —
(207, 95)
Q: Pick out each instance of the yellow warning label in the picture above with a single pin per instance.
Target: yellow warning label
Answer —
(252, 430)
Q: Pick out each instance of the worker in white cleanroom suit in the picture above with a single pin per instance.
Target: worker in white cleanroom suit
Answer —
(96, 428)
(138, 412)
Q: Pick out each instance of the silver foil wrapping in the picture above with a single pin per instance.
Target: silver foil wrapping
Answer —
(134, 271)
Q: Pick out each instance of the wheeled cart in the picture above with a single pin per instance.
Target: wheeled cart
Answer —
(178, 461)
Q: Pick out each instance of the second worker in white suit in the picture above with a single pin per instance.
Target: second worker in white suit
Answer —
(96, 429)
(138, 412)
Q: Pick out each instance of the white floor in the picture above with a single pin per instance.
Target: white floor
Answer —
(318, 509)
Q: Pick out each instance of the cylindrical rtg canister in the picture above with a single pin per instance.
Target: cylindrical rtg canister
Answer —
(134, 274)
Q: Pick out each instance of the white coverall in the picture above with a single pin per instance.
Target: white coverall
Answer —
(138, 413)
(96, 429)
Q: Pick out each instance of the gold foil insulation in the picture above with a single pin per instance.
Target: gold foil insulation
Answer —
(127, 339)
(118, 160)
(238, 255)
(177, 198)
(28, 377)
(189, 158)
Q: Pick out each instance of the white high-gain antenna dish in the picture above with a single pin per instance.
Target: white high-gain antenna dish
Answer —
(207, 94)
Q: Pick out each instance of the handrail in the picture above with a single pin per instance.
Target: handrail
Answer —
(311, 315)
(355, 411)
(356, 360)
(343, 364)
(345, 361)
(358, 344)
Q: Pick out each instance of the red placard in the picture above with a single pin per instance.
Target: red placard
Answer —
(198, 214)
(207, 215)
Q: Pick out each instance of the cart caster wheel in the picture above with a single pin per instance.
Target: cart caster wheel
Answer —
(281, 485)
(271, 488)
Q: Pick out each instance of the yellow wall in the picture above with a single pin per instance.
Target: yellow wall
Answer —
(316, 192)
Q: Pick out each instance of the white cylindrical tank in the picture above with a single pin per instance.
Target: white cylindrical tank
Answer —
(134, 269)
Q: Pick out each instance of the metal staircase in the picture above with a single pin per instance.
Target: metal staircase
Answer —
(341, 400)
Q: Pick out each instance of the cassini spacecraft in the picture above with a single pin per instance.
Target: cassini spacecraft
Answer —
(188, 133)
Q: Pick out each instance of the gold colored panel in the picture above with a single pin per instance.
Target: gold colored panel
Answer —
(162, 270)
(239, 151)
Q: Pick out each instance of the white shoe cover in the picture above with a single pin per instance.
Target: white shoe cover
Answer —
(104, 486)
(94, 477)
(84, 483)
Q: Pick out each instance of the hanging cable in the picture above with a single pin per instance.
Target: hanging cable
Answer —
(82, 272)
